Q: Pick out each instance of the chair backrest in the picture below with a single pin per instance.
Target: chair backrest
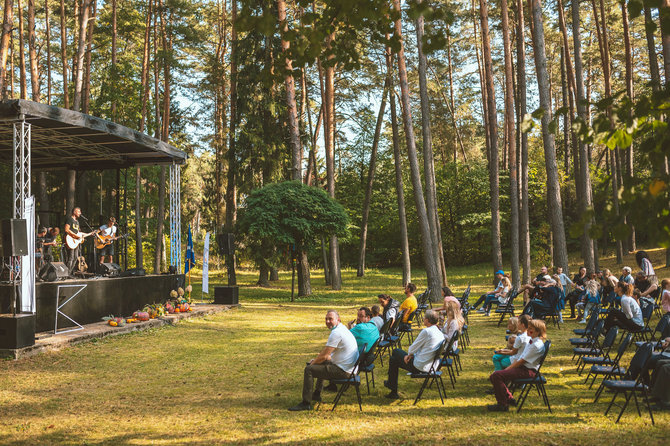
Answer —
(386, 326)
(593, 320)
(623, 347)
(423, 297)
(513, 293)
(396, 322)
(639, 362)
(466, 294)
(661, 327)
(597, 330)
(450, 342)
(411, 316)
(647, 312)
(437, 359)
(610, 337)
(547, 344)
(371, 355)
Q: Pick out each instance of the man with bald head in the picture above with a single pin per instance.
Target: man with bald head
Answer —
(335, 361)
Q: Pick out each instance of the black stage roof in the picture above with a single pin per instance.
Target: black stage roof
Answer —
(63, 138)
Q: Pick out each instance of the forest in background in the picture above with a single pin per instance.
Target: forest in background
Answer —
(414, 116)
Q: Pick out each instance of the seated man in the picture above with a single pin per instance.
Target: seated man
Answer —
(491, 295)
(540, 281)
(365, 331)
(576, 294)
(410, 303)
(335, 361)
(376, 317)
(626, 275)
(526, 366)
(419, 356)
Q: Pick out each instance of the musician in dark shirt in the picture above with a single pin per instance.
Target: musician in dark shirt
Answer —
(72, 229)
(574, 296)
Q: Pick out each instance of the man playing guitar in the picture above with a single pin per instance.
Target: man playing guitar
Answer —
(106, 236)
(76, 239)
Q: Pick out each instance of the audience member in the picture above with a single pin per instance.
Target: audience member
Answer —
(390, 307)
(576, 294)
(519, 339)
(630, 314)
(335, 361)
(410, 303)
(608, 282)
(365, 331)
(626, 275)
(590, 299)
(644, 263)
(563, 278)
(665, 297)
(499, 289)
(453, 322)
(419, 356)
(448, 296)
(526, 366)
(540, 281)
(376, 317)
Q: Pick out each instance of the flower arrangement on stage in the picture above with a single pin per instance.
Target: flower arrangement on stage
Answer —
(179, 302)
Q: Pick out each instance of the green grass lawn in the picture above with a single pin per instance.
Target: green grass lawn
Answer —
(230, 377)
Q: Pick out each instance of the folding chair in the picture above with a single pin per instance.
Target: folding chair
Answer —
(507, 308)
(661, 327)
(464, 298)
(448, 361)
(538, 381)
(354, 379)
(465, 334)
(405, 328)
(391, 338)
(589, 343)
(434, 374)
(601, 353)
(368, 364)
(632, 383)
(454, 354)
(422, 305)
(615, 369)
(383, 334)
(593, 319)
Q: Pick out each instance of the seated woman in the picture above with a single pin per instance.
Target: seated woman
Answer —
(526, 366)
(501, 296)
(629, 316)
(608, 282)
(515, 343)
(590, 299)
(448, 297)
(499, 276)
(453, 322)
(539, 308)
(665, 297)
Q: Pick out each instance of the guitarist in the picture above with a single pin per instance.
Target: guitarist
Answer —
(107, 232)
(72, 229)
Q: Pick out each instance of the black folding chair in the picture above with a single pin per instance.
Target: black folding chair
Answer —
(632, 383)
(463, 300)
(405, 328)
(600, 355)
(538, 381)
(383, 334)
(422, 305)
(368, 364)
(434, 374)
(507, 308)
(593, 319)
(391, 337)
(588, 344)
(661, 328)
(611, 369)
(354, 379)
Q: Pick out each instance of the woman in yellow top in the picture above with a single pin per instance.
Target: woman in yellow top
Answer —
(410, 303)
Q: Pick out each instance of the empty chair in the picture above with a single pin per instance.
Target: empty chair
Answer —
(601, 353)
(609, 371)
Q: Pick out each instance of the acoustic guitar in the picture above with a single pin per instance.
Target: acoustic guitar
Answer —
(72, 243)
(103, 240)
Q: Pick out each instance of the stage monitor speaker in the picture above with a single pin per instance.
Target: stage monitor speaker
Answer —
(14, 237)
(226, 295)
(134, 272)
(226, 242)
(54, 271)
(17, 331)
(109, 269)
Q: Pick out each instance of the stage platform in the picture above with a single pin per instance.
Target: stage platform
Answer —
(120, 296)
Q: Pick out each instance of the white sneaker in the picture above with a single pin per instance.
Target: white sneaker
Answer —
(481, 310)
(583, 321)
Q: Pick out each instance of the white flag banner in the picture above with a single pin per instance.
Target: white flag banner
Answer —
(205, 265)
(28, 262)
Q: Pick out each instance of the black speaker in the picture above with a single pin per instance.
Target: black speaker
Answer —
(109, 269)
(134, 272)
(226, 242)
(226, 295)
(54, 271)
(17, 331)
(14, 237)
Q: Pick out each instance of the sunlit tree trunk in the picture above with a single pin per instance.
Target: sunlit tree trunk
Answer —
(431, 261)
(113, 73)
(47, 31)
(63, 54)
(23, 84)
(81, 49)
(7, 25)
(231, 187)
(524, 226)
(32, 53)
(628, 171)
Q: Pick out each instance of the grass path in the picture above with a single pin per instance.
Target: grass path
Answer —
(229, 378)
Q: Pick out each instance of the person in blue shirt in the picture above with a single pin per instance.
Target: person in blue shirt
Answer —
(364, 331)
(626, 275)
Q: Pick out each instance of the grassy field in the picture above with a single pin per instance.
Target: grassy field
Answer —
(229, 378)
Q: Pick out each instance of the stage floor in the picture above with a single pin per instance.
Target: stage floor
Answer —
(102, 296)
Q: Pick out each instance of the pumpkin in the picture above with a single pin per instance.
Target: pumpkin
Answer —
(141, 315)
(113, 323)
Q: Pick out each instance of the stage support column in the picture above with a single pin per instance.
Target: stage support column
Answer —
(175, 217)
(20, 187)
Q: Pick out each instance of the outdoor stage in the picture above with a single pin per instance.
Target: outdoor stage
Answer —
(120, 296)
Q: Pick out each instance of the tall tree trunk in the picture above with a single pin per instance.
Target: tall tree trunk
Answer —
(291, 106)
(231, 189)
(71, 181)
(23, 92)
(145, 65)
(629, 158)
(7, 26)
(81, 49)
(524, 225)
(428, 161)
(114, 73)
(451, 102)
(664, 12)
(43, 198)
(63, 54)
(482, 83)
(494, 181)
(48, 45)
(553, 188)
(511, 141)
(32, 52)
(431, 261)
(651, 49)
(86, 88)
(370, 182)
(329, 139)
(400, 194)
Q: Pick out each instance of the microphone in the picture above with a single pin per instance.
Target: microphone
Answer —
(82, 216)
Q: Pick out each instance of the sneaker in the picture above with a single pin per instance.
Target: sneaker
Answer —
(316, 397)
(393, 396)
(330, 388)
(481, 310)
(583, 321)
(497, 408)
(302, 406)
(488, 313)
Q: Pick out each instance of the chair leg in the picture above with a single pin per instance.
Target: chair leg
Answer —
(423, 386)
(546, 397)
(367, 382)
(358, 394)
(525, 390)
(343, 387)
(373, 378)
(611, 402)
(637, 405)
(439, 390)
(646, 400)
(625, 404)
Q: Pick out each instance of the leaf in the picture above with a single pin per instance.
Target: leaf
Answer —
(527, 124)
(538, 114)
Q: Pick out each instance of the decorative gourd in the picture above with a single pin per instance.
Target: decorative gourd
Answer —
(141, 315)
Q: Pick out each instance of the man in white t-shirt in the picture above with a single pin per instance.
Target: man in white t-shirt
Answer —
(335, 361)
(525, 366)
(107, 234)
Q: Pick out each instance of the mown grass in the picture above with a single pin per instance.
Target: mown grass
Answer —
(229, 378)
